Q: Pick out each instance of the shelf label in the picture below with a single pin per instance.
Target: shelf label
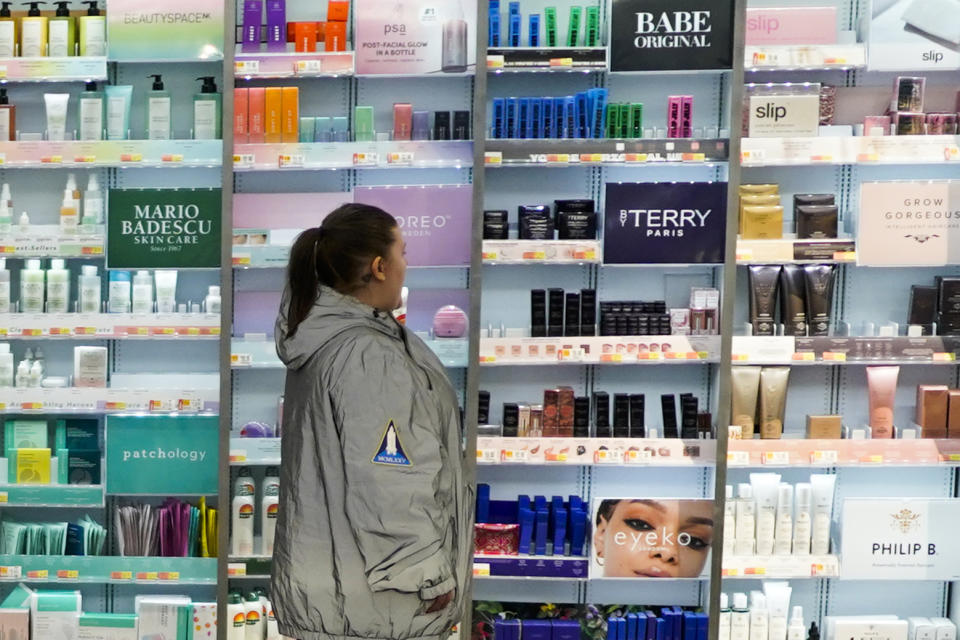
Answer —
(633, 456)
(490, 255)
(68, 574)
(309, 66)
(36, 246)
(241, 359)
(4, 496)
(493, 157)
(366, 159)
(834, 356)
(538, 254)
(606, 456)
(291, 160)
(873, 459)
(400, 157)
(169, 576)
(481, 569)
(38, 574)
(514, 455)
(487, 456)
(561, 62)
(944, 357)
(147, 576)
(12, 571)
(823, 457)
(738, 458)
(244, 160)
(805, 356)
(246, 67)
(776, 457)
(121, 575)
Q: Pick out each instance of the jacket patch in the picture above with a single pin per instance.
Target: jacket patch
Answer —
(391, 450)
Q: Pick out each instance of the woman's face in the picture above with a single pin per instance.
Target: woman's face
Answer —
(655, 539)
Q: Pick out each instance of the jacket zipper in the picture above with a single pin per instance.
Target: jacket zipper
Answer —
(406, 349)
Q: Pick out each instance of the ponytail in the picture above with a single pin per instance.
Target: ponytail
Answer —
(335, 254)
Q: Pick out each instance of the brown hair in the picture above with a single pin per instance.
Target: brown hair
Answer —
(335, 254)
(605, 510)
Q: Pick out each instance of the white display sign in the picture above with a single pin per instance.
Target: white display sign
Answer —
(909, 223)
(900, 538)
(912, 35)
(795, 116)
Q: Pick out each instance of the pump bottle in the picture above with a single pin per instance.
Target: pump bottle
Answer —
(236, 618)
(206, 111)
(8, 32)
(93, 31)
(33, 32)
(158, 110)
(8, 117)
(254, 611)
(92, 203)
(63, 32)
(92, 113)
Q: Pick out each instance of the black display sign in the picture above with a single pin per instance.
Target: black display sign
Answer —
(669, 35)
(665, 222)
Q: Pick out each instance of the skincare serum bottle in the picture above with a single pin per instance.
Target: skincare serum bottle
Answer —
(31, 287)
(158, 110)
(89, 289)
(8, 116)
(92, 114)
(784, 529)
(92, 203)
(803, 524)
(453, 43)
(759, 617)
(206, 111)
(729, 522)
(4, 286)
(58, 287)
(212, 301)
(746, 521)
(740, 618)
(119, 292)
(68, 215)
(725, 614)
(8, 32)
(93, 31)
(142, 292)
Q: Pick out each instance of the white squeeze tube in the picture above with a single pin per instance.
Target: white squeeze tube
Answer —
(803, 522)
(783, 534)
(729, 522)
(746, 521)
(765, 492)
(778, 603)
(822, 485)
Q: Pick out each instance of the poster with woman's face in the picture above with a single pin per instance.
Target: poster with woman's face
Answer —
(650, 537)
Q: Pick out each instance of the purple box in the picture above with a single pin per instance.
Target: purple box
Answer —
(566, 630)
(252, 21)
(276, 25)
(536, 630)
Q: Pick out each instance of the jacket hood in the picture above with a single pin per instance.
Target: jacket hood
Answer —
(332, 314)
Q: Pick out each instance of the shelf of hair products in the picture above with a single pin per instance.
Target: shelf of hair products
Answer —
(110, 317)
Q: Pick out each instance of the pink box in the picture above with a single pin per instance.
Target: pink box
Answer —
(794, 25)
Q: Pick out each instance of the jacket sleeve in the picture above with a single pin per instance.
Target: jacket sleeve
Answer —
(391, 479)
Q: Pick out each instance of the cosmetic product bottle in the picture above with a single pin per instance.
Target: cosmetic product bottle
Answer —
(32, 283)
(242, 511)
(252, 22)
(822, 491)
(740, 618)
(93, 31)
(33, 32)
(4, 286)
(7, 369)
(68, 215)
(56, 111)
(269, 509)
(746, 521)
(212, 301)
(142, 292)
(206, 111)
(668, 407)
(763, 282)
(793, 308)
(363, 128)
(819, 297)
(166, 289)
(36, 375)
(236, 617)
(119, 292)
(23, 224)
(573, 30)
(729, 522)
(882, 390)
(453, 43)
(256, 627)
(89, 288)
(23, 374)
(759, 616)
(6, 218)
(746, 393)
(773, 401)
(92, 203)
(777, 595)
(764, 487)
(58, 287)
(783, 534)
(8, 116)
(796, 630)
(118, 111)
(402, 121)
(421, 125)
(158, 110)
(803, 524)
(8, 32)
(92, 112)
(63, 32)
(725, 615)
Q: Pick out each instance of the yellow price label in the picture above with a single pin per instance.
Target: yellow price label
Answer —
(121, 575)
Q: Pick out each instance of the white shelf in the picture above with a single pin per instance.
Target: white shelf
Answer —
(866, 150)
(99, 401)
(602, 350)
(819, 57)
(787, 566)
(790, 250)
(844, 350)
(514, 252)
(605, 452)
(110, 326)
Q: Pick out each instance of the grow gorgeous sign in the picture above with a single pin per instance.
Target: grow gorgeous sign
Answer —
(160, 228)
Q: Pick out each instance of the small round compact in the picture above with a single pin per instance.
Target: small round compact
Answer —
(450, 322)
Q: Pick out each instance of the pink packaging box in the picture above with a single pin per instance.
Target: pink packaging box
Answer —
(793, 25)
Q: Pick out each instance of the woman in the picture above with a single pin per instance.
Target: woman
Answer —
(653, 538)
(374, 534)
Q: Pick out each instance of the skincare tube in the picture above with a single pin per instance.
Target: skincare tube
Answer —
(746, 521)
(56, 104)
(763, 281)
(746, 390)
(802, 520)
(783, 534)
(764, 486)
(759, 616)
(740, 618)
(882, 388)
(166, 288)
(729, 522)
(819, 297)
(773, 401)
(118, 111)
(778, 606)
(822, 490)
(793, 312)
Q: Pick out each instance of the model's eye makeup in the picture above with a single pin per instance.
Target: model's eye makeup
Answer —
(638, 524)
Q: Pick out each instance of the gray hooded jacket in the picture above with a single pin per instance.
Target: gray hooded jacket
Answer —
(375, 515)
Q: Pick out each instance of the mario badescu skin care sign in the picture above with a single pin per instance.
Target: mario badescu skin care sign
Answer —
(882, 389)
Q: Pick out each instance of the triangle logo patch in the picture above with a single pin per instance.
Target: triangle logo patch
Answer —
(391, 449)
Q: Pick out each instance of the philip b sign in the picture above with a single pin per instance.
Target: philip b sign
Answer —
(664, 222)
(668, 35)
(163, 228)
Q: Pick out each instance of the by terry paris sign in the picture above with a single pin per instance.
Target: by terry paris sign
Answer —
(667, 35)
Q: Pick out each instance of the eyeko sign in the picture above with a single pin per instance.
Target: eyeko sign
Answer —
(168, 30)
(664, 222)
(900, 539)
(163, 228)
(667, 35)
(909, 223)
(162, 455)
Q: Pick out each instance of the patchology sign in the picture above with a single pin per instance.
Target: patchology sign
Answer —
(163, 228)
